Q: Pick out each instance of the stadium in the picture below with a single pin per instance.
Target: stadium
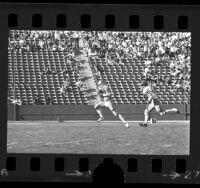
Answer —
(53, 86)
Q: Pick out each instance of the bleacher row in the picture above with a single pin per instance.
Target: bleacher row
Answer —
(125, 82)
(24, 69)
(30, 83)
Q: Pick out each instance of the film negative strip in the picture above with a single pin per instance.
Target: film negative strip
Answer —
(99, 93)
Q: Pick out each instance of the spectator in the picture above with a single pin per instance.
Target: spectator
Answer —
(76, 40)
(66, 86)
(66, 72)
(48, 100)
(38, 101)
(79, 84)
(48, 71)
(170, 49)
(16, 101)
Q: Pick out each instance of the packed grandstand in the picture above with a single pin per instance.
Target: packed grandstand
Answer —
(40, 61)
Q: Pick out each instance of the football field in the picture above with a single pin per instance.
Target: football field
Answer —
(82, 137)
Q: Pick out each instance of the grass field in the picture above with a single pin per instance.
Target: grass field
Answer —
(162, 138)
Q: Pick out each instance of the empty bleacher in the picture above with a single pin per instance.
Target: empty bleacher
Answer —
(125, 80)
(29, 82)
(26, 81)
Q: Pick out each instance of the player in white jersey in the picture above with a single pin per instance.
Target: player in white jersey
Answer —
(153, 103)
(105, 101)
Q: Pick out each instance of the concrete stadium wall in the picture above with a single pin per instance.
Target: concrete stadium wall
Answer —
(10, 112)
(188, 111)
(64, 112)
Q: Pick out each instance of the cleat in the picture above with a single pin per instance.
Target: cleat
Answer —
(100, 119)
(126, 125)
(152, 120)
(143, 124)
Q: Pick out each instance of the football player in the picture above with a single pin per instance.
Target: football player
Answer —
(153, 103)
(105, 101)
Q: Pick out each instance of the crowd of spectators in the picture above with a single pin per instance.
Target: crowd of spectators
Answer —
(172, 49)
(180, 69)
(38, 101)
(28, 40)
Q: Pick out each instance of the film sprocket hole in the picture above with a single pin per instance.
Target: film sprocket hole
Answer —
(95, 92)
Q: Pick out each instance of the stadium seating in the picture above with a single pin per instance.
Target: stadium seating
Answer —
(124, 80)
(25, 68)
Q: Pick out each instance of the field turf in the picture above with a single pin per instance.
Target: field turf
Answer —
(162, 138)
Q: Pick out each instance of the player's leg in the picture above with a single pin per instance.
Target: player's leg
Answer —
(116, 114)
(159, 109)
(172, 110)
(151, 120)
(97, 107)
(147, 111)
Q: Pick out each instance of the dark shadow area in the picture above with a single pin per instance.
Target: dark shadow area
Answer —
(108, 172)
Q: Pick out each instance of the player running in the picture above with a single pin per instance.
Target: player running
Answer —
(152, 103)
(105, 101)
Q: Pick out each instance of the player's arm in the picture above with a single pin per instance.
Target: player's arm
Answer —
(106, 94)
